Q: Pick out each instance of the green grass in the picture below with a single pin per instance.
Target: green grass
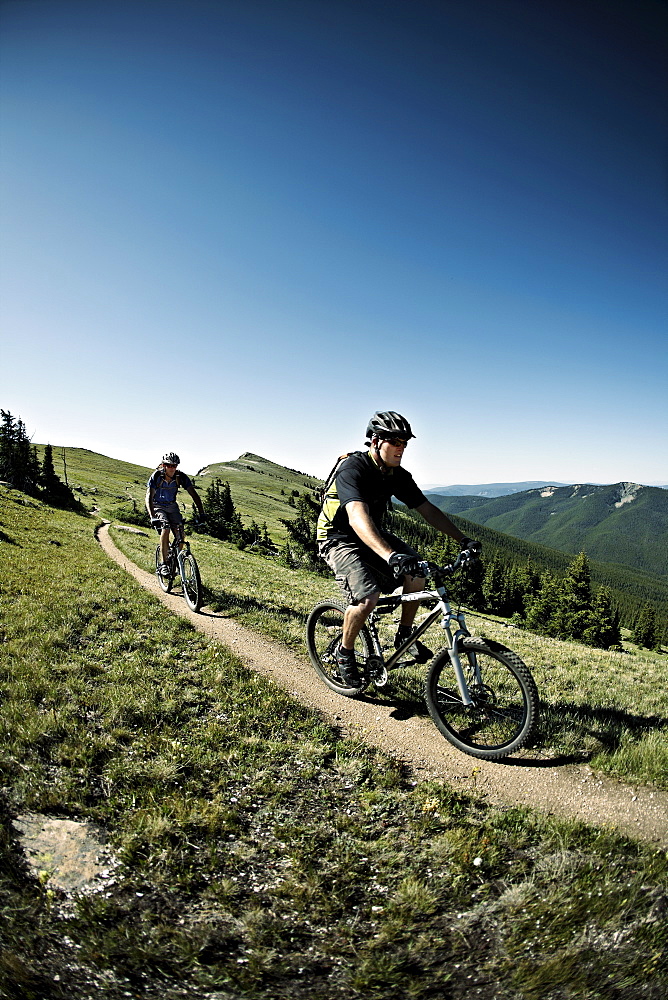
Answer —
(260, 488)
(261, 855)
(608, 708)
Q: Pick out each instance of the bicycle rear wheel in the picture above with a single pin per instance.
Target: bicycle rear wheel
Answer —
(324, 629)
(191, 582)
(164, 581)
(504, 713)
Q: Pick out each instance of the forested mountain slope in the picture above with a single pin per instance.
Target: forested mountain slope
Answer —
(623, 523)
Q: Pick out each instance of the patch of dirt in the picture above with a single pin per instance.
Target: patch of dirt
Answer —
(64, 852)
(535, 780)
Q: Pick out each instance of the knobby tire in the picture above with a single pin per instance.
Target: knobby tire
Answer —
(166, 582)
(504, 715)
(192, 583)
(324, 629)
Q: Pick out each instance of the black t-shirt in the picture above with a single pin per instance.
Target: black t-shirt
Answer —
(359, 478)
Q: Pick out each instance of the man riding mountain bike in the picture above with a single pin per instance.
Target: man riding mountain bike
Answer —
(365, 558)
(161, 504)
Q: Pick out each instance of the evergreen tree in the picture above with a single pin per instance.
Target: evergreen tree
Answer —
(301, 548)
(576, 598)
(222, 520)
(545, 611)
(19, 464)
(494, 587)
(645, 630)
(603, 630)
(54, 490)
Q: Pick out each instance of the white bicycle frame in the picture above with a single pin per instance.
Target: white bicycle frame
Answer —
(387, 604)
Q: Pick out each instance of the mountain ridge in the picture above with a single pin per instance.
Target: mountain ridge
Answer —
(625, 523)
(503, 489)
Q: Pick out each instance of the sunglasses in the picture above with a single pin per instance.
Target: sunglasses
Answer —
(169, 465)
(397, 442)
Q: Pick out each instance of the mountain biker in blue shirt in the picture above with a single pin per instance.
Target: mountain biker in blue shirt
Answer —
(161, 504)
(367, 559)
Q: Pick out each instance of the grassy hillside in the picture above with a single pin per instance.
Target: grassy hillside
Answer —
(624, 523)
(261, 489)
(259, 854)
(100, 482)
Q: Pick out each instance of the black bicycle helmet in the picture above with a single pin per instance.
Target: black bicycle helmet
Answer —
(171, 458)
(386, 424)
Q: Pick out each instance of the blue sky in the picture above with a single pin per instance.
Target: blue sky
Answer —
(245, 225)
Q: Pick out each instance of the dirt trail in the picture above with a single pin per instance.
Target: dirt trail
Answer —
(569, 790)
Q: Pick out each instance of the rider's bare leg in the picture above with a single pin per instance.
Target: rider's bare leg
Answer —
(412, 584)
(355, 617)
(164, 544)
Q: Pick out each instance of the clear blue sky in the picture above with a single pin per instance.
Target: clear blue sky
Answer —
(245, 225)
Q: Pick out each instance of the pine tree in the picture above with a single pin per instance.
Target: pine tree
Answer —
(545, 613)
(645, 630)
(54, 490)
(603, 630)
(576, 598)
(19, 464)
(301, 548)
(494, 587)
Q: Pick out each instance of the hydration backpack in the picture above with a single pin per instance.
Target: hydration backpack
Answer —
(322, 491)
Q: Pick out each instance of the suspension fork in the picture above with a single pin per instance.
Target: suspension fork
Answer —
(453, 642)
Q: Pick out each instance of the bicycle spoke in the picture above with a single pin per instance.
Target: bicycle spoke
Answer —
(503, 714)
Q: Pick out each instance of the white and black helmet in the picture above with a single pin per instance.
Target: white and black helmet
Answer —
(387, 424)
(171, 458)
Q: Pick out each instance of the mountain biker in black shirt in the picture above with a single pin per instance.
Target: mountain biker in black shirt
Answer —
(365, 558)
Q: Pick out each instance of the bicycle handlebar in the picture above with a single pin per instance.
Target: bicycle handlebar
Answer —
(432, 569)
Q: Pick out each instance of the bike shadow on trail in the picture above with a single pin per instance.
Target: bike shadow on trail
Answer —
(583, 731)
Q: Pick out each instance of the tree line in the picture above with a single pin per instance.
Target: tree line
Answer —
(21, 468)
(223, 520)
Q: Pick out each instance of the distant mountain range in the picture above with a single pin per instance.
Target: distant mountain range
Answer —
(502, 489)
(486, 489)
(624, 523)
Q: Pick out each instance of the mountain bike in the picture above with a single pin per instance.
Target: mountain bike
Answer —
(181, 562)
(479, 693)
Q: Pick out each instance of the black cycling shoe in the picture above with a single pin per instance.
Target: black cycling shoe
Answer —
(347, 667)
(418, 650)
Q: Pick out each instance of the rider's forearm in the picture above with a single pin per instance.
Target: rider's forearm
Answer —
(361, 523)
(197, 501)
(440, 521)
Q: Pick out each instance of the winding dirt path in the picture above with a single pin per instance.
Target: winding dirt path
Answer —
(567, 790)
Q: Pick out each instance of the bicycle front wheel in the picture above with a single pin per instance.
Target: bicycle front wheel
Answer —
(164, 581)
(192, 583)
(504, 713)
(324, 629)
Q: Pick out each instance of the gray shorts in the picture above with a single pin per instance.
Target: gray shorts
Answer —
(359, 571)
(170, 516)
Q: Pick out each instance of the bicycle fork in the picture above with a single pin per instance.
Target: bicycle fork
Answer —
(180, 553)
